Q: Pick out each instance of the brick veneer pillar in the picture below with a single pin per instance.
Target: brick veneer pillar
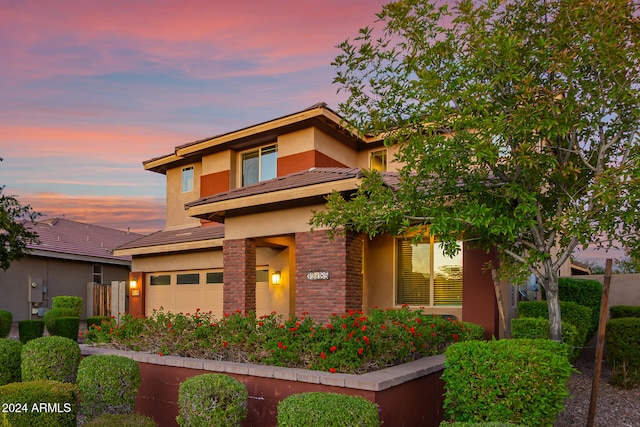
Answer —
(239, 292)
(342, 258)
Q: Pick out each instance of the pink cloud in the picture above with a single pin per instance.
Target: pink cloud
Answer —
(195, 37)
(139, 214)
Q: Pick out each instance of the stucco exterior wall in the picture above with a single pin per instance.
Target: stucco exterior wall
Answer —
(61, 277)
(176, 199)
(624, 289)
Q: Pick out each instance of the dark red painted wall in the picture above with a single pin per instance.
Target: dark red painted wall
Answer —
(478, 295)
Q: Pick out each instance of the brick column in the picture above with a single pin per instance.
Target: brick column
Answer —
(342, 259)
(239, 292)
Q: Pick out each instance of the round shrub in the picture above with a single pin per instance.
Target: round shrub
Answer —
(51, 315)
(108, 384)
(71, 302)
(519, 381)
(41, 404)
(122, 420)
(538, 328)
(5, 323)
(30, 329)
(328, 410)
(50, 358)
(571, 312)
(212, 400)
(67, 327)
(9, 361)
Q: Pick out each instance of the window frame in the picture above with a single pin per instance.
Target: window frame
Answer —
(382, 151)
(432, 242)
(98, 274)
(259, 151)
(187, 185)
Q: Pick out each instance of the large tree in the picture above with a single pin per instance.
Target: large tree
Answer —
(517, 125)
(15, 235)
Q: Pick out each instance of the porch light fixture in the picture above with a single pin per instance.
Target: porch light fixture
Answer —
(133, 284)
(275, 278)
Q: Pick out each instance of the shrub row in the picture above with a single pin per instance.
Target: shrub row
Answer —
(352, 342)
(9, 361)
(585, 292)
(489, 424)
(68, 302)
(220, 400)
(623, 350)
(538, 328)
(517, 381)
(38, 404)
(30, 329)
(5, 323)
(621, 311)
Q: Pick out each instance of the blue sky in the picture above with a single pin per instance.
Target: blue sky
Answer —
(89, 90)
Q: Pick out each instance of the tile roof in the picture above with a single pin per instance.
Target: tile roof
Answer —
(59, 236)
(183, 235)
(294, 180)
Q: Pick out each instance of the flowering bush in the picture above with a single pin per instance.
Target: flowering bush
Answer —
(352, 342)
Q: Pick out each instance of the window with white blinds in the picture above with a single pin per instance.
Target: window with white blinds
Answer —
(426, 276)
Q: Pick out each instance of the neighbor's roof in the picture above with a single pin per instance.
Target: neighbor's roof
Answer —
(67, 239)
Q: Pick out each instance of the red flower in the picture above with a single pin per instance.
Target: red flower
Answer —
(282, 346)
(360, 350)
(455, 336)
(344, 326)
(334, 348)
(333, 370)
(224, 344)
(324, 356)
(160, 354)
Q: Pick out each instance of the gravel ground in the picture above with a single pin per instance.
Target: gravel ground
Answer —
(616, 407)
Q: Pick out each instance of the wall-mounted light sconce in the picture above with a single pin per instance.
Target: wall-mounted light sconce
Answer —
(276, 277)
(133, 284)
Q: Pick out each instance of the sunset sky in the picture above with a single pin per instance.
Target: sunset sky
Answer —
(91, 89)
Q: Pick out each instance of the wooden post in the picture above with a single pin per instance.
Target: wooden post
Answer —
(604, 307)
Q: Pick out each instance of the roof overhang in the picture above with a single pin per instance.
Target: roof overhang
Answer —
(171, 247)
(80, 258)
(318, 116)
(292, 197)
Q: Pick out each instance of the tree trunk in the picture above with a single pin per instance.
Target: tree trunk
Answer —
(496, 287)
(553, 304)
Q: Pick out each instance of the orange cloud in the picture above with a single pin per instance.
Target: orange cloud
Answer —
(138, 214)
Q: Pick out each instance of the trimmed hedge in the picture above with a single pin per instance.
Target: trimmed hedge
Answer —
(570, 312)
(489, 424)
(623, 350)
(586, 292)
(5, 323)
(67, 327)
(50, 358)
(122, 420)
(38, 404)
(538, 328)
(480, 381)
(622, 311)
(51, 315)
(30, 329)
(212, 400)
(328, 410)
(71, 302)
(9, 361)
(108, 384)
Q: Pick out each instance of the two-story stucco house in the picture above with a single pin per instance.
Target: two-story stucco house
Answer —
(237, 235)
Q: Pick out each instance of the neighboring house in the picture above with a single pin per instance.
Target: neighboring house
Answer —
(69, 255)
(238, 234)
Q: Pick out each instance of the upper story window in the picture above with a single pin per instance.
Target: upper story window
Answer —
(260, 164)
(378, 160)
(187, 179)
(425, 276)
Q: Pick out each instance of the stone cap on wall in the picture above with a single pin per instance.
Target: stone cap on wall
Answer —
(371, 381)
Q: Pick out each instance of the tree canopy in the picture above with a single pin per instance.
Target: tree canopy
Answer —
(15, 236)
(517, 125)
